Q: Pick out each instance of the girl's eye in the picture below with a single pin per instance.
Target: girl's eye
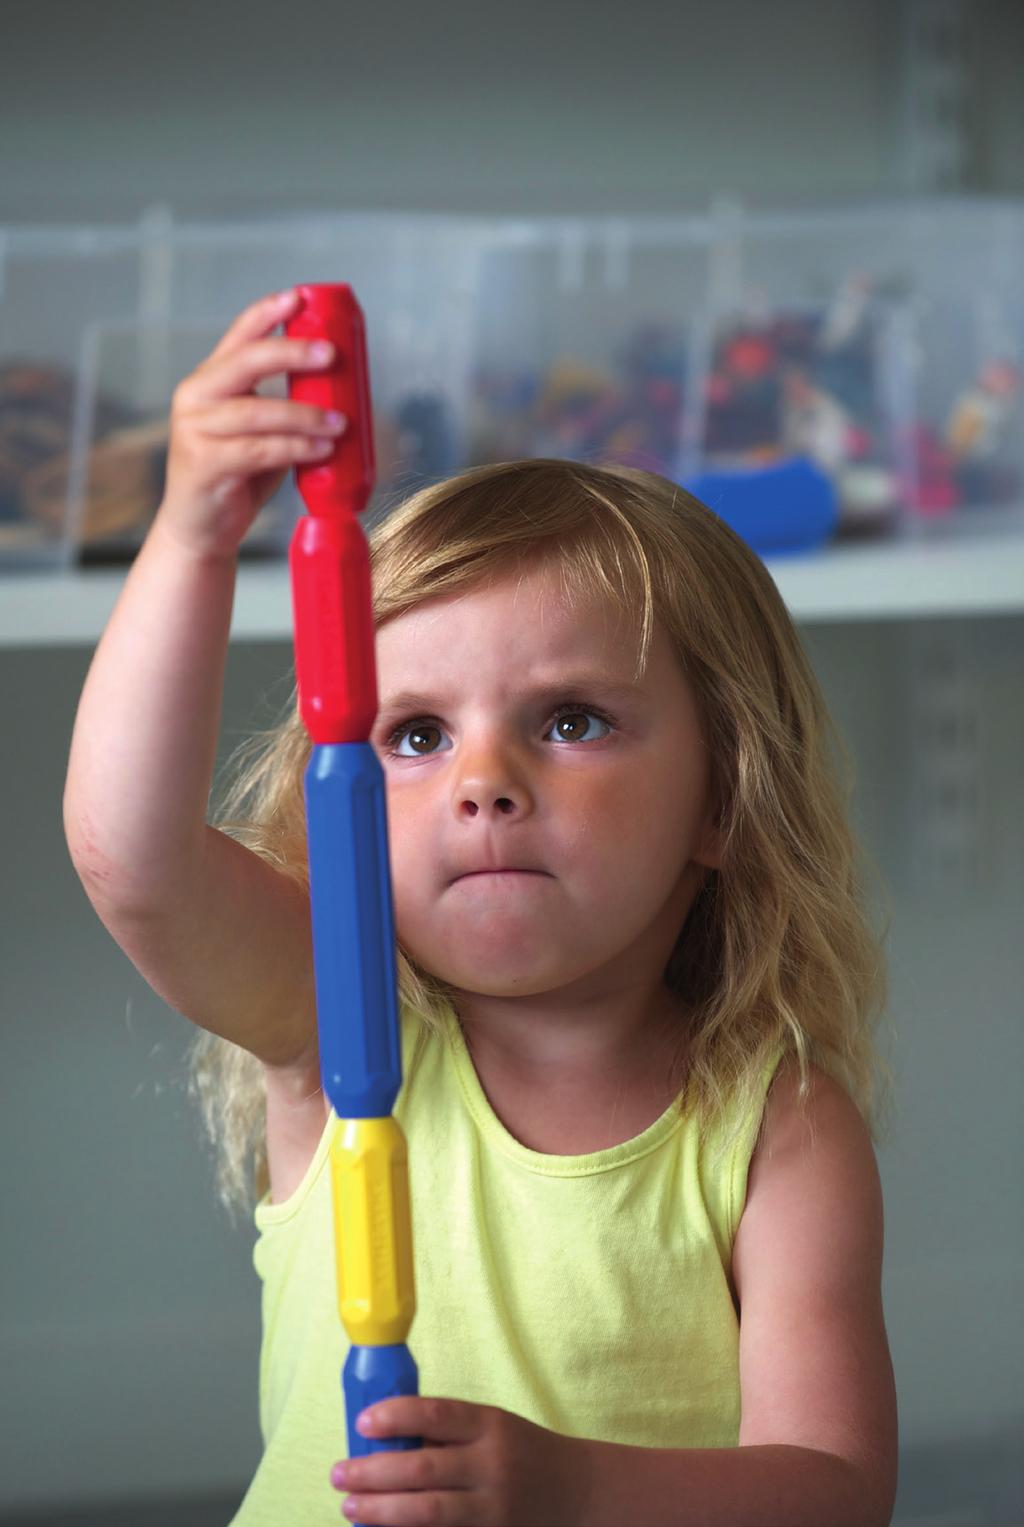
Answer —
(575, 713)
(419, 729)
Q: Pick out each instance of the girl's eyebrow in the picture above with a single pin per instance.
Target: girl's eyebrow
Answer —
(576, 685)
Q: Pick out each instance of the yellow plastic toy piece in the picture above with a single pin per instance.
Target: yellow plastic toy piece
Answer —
(373, 1230)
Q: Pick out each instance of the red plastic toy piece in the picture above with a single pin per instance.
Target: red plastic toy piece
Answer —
(346, 479)
(335, 652)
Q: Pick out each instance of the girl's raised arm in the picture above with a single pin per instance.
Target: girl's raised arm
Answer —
(217, 931)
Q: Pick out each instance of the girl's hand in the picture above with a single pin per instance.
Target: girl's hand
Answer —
(229, 448)
(478, 1467)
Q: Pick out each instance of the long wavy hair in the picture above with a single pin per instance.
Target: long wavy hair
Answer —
(778, 948)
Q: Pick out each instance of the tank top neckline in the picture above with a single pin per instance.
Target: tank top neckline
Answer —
(585, 1165)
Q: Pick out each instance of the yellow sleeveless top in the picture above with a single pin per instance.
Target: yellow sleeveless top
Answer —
(591, 1294)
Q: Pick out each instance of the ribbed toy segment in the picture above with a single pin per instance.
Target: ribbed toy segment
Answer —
(353, 930)
(350, 876)
(330, 311)
(370, 1178)
(332, 605)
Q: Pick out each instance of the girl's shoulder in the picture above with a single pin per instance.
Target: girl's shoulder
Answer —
(813, 1158)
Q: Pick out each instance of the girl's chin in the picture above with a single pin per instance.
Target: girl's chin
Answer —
(499, 969)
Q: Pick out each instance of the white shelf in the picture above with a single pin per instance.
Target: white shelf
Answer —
(891, 581)
(906, 580)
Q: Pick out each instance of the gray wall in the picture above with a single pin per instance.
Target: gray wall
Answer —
(232, 108)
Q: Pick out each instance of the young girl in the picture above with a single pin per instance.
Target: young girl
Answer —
(637, 988)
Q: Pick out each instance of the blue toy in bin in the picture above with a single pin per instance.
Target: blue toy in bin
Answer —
(779, 510)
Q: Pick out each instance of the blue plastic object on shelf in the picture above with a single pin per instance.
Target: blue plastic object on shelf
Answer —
(782, 509)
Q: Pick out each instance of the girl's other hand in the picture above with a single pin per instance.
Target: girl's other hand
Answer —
(477, 1464)
(229, 448)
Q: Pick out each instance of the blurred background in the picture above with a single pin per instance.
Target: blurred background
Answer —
(771, 251)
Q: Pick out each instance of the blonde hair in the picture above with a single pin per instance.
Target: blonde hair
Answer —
(777, 949)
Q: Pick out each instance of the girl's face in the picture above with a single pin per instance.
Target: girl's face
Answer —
(512, 735)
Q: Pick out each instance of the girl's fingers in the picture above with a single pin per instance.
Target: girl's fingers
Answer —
(419, 1469)
(266, 453)
(262, 416)
(235, 372)
(455, 1509)
(257, 320)
(434, 1418)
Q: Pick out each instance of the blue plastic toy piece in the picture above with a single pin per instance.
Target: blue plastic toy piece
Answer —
(372, 1374)
(353, 930)
(779, 510)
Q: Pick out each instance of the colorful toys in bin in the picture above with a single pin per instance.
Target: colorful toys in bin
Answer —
(426, 439)
(643, 428)
(630, 412)
(126, 465)
(349, 873)
(802, 386)
(972, 459)
(977, 431)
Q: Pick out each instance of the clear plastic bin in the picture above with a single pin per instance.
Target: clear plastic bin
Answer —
(810, 383)
(964, 449)
(583, 347)
(106, 360)
(942, 280)
(496, 338)
(416, 280)
(52, 282)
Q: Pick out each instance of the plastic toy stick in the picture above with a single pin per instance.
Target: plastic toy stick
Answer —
(349, 873)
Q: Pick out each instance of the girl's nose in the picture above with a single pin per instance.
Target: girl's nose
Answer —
(494, 777)
(503, 805)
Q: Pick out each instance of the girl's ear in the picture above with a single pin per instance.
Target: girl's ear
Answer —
(710, 852)
(712, 845)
